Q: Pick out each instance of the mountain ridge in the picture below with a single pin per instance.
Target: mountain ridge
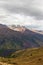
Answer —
(12, 39)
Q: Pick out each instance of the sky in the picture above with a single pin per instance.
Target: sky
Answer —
(22, 12)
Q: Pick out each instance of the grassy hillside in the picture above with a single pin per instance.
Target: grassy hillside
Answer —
(25, 57)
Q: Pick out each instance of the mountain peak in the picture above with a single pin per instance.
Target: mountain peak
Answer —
(17, 28)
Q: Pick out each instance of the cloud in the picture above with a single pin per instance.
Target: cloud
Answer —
(23, 12)
(27, 7)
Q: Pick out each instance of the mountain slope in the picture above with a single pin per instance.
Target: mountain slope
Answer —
(33, 56)
(11, 39)
(29, 57)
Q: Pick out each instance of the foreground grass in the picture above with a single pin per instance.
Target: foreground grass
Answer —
(25, 57)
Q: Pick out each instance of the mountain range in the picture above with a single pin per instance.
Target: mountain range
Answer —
(18, 38)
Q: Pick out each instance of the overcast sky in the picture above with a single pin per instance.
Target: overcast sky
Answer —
(23, 12)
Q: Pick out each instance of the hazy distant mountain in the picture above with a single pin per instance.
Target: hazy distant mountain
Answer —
(13, 39)
(39, 31)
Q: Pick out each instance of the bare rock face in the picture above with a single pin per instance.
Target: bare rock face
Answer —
(17, 28)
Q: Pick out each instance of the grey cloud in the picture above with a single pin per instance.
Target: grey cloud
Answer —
(26, 7)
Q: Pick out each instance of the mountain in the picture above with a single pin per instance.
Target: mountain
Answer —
(38, 31)
(33, 56)
(16, 40)
(17, 28)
